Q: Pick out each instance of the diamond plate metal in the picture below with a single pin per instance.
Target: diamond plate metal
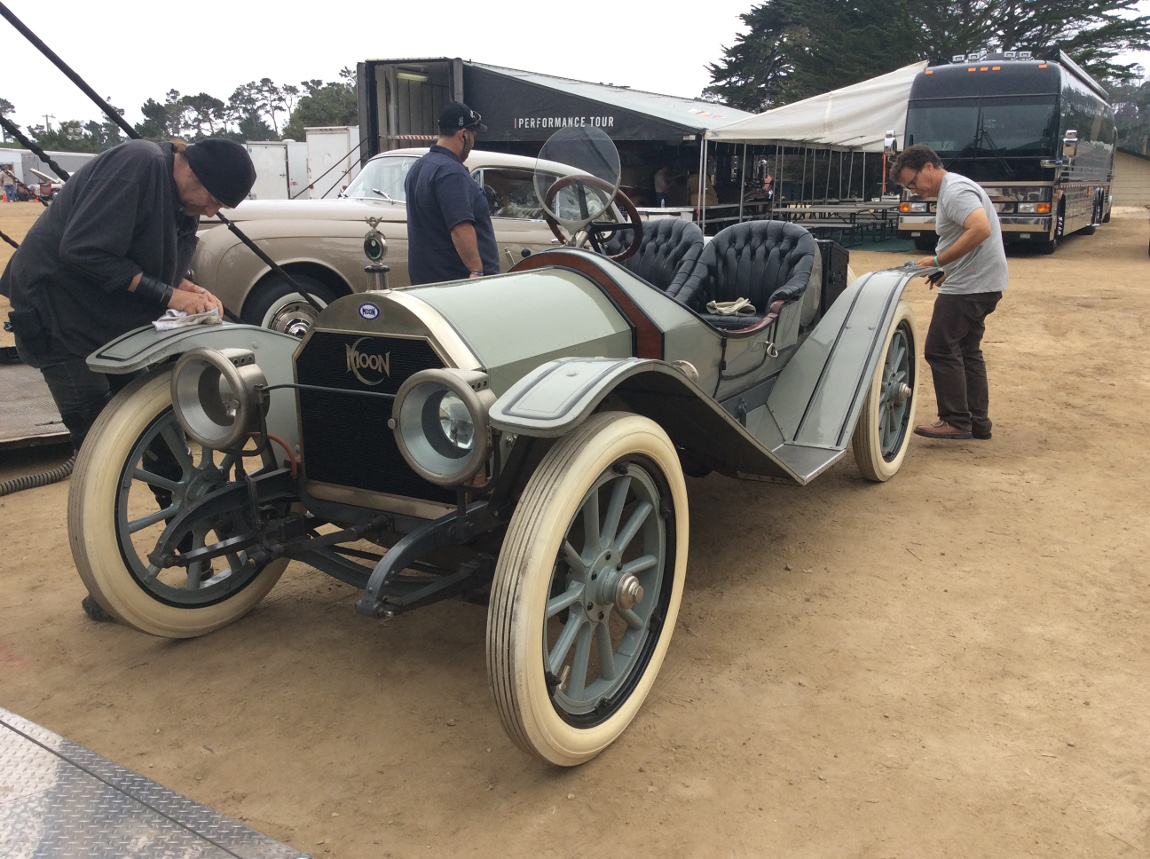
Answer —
(28, 414)
(59, 800)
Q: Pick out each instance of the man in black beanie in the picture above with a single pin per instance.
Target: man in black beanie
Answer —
(111, 254)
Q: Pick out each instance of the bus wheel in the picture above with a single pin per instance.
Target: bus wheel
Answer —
(1048, 247)
(1095, 219)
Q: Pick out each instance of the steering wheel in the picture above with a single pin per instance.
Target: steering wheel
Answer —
(594, 228)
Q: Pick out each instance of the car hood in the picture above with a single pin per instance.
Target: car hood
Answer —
(325, 210)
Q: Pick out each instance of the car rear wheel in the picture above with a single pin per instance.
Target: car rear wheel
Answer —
(277, 305)
(882, 434)
(134, 474)
(587, 588)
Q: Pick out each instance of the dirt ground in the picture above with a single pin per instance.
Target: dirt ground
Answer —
(954, 663)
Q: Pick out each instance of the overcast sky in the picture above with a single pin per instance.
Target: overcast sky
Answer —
(130, 50)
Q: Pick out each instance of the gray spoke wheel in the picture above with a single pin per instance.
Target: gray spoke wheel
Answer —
(882, 435)
(135, 472)
(587, 588)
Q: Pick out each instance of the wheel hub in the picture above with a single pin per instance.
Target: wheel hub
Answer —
(201, 484)
(611, 587)
(294, 318)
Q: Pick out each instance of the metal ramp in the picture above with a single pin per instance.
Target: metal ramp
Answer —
(59, 800)
(28, 415)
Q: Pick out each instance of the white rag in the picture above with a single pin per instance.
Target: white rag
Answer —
(173, 318)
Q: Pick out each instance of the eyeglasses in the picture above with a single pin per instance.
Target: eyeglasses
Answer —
(912, 185)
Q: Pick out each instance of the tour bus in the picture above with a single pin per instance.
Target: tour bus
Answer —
(1037, 134)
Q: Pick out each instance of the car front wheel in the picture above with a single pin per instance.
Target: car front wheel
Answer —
(134, 474)
(587, 588)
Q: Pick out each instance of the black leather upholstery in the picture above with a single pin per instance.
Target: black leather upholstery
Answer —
(762, 261)
(668, 251)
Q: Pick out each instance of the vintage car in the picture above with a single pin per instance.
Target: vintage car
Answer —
(319, 243)
(518, 441)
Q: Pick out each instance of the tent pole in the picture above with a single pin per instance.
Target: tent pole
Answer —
(827, 184)
(742, 183)
(701, 201)
(779, 180)
(803, 186)
(851, 174)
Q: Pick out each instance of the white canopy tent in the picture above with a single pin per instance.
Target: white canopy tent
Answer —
(856, 117)
(852, 119)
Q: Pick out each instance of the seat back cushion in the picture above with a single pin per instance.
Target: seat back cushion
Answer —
(668, 246)
(762, 261)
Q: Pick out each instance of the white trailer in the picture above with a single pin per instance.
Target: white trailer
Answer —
(331, 161)
(21, 161)
(297, 170)
(270, 160)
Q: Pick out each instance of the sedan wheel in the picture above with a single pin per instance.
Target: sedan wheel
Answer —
(275, 304)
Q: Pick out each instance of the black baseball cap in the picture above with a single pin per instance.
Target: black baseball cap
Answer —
(457, 115)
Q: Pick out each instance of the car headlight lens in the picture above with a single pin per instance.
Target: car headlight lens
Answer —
(440, 424)
(455, 421)
(216, 394)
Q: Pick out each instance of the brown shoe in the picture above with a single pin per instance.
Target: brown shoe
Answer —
(941, 429)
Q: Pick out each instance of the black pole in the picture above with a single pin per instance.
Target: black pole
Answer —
(28, 144)
(62, 66)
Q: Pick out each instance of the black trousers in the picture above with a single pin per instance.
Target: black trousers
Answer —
(954, 351)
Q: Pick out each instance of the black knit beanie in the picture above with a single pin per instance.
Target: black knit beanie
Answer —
(224, 168)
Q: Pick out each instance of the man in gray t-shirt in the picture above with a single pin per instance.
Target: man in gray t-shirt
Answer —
(973, 277)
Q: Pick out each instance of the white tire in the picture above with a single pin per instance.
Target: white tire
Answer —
(569, 663)
(114, 521)
(882, 434)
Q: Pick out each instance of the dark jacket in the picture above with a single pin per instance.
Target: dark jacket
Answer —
(118, 215)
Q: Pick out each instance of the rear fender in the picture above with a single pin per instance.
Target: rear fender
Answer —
(820, 393)
(145, 348)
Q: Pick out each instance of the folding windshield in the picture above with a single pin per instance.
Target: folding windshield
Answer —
(382, 178)
(1005, 126)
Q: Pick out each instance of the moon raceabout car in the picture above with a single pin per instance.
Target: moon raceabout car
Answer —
(517, 441)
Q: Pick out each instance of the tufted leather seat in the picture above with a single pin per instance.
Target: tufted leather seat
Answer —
(667, 253)
(763, 261)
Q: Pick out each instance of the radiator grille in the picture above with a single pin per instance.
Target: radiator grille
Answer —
(344, 437)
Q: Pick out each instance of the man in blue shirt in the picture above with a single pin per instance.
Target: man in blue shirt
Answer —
(449, 232)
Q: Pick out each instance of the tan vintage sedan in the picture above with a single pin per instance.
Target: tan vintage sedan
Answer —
(320, 243)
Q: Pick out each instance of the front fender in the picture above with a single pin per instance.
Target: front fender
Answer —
(558, 396)
(145, 347)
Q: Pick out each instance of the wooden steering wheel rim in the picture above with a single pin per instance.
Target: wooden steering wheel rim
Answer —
(602, 185)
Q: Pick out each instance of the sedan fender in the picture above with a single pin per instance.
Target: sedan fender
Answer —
(145, 348)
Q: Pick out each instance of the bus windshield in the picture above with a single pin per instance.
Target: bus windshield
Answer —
(996, 127)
